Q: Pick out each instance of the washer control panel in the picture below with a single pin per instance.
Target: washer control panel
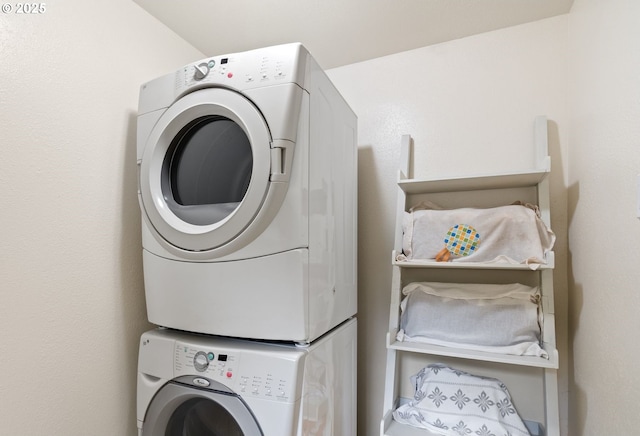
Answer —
(209, 363)
(248, 373)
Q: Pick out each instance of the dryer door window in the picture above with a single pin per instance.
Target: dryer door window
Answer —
(207, 170)
(210, 175)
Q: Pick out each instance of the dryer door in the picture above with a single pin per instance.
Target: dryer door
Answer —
(211, 178)
(182, 410)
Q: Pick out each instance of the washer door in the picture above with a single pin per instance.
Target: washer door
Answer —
(210, 175)
(182, 410)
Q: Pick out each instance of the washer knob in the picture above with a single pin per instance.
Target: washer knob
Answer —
(201, 71)
(200, 361)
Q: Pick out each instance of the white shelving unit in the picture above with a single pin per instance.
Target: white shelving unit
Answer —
(532, 381)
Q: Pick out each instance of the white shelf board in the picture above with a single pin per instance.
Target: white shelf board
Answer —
(473, 183)
(462, 353)
(472, 265)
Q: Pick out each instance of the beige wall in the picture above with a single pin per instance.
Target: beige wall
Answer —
(72, 302)
(479, 96)
(604, 232)
(72, 299)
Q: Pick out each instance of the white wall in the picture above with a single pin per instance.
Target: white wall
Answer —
(604, 107)
(72, 298)
(477, 95)
(72, 301)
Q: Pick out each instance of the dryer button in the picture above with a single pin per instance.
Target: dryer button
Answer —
(201, 381)
(201, 71)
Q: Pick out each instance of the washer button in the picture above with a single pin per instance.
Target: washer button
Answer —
(200, 361)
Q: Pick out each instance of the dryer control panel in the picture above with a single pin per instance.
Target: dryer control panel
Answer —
(245, 70)
(248, 372)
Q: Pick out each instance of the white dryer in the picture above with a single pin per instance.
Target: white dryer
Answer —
(197, 385)
(247, 185)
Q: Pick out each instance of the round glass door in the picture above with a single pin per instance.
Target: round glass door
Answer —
(207, 170)
(182, 410)
(202, 417)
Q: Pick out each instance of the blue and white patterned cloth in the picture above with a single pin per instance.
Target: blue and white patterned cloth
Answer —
(455, 403)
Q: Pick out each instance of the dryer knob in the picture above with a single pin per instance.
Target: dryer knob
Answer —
(200, 361)
(201, 71)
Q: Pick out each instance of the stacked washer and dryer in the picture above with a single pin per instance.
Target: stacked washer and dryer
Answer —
(247, 169)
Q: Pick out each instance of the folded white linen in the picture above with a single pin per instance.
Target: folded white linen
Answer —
(503, 319)
(513, 234)
(453, 403)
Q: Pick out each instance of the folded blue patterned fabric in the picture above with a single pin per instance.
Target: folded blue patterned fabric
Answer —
(454, 403)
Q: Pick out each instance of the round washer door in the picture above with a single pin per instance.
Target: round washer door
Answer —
(205, 174)
(179, 410)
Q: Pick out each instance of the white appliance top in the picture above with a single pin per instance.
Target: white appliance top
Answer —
(251, 69)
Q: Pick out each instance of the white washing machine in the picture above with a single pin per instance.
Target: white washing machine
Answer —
(197, 385)
(247, 184)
